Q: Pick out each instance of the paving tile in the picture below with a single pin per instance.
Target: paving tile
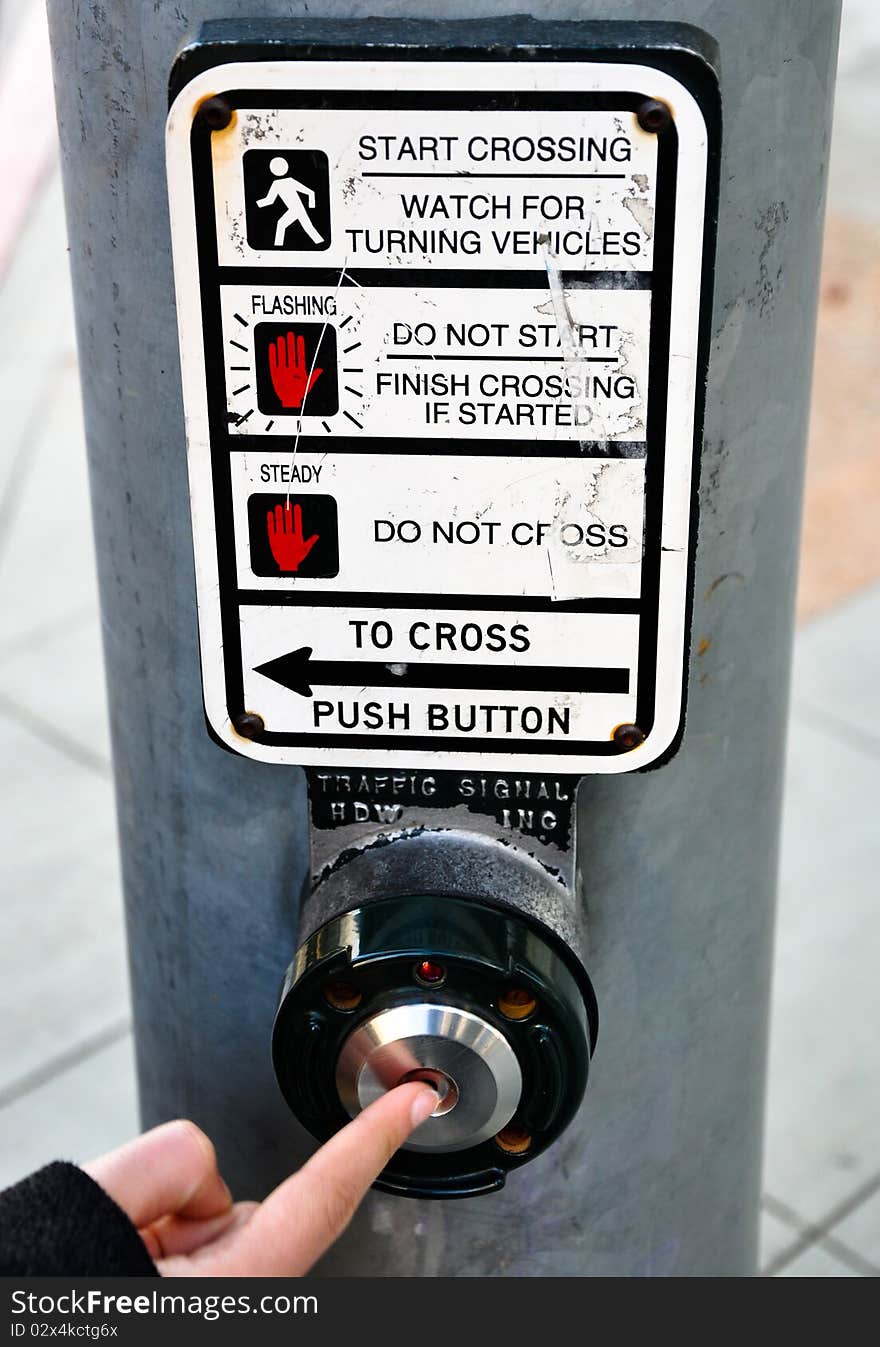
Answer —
(58, 677)
(10, 16)
(860, 1230)
(39, 271)
(842, 500)
(47, 566)
(36, 287)
(853, 186)
(62, 961)
(37, 337)
(823, 1117)
(77, 1115)
(816, 1261)
(837, 665)
(775, 1237)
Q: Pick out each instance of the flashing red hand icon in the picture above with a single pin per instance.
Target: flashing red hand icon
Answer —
(286, 540)
(289, 370)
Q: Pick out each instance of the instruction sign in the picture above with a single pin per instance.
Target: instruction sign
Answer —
(440, 330)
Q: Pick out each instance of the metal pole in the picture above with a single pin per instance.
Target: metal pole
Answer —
(659, 1174)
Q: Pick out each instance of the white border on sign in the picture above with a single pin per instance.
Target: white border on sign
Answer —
(524, 76)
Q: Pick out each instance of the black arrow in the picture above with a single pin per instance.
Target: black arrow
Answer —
(298, 671)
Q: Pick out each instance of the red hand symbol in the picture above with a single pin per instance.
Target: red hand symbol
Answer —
(290, 372)
(286, 540)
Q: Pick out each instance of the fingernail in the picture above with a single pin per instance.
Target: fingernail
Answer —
(424, 1105)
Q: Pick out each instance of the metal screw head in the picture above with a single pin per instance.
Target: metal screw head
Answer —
(517, 1003)
(342, 995)
(249, 725)
(215, 113)
(514, 1139)
(628, 736)
(654, 116)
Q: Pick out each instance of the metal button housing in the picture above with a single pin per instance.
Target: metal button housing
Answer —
(459, 1046)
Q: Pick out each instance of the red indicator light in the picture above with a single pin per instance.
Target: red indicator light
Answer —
(430, 973)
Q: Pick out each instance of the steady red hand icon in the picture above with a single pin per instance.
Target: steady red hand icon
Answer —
(286, 540)
(289, 370)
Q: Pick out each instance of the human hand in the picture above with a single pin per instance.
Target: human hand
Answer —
(168, 1183)
(286, 541)
(288, 370)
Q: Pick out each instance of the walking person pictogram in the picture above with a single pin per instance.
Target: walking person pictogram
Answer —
(296, 197)
(287, 199)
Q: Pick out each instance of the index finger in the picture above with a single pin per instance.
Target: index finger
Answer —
(302, 1217)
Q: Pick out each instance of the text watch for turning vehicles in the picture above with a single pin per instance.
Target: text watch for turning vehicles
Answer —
(440, 328)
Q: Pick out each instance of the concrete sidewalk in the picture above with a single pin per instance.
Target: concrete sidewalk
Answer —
(66, 1071)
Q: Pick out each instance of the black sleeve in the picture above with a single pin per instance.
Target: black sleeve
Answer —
(60, 1223)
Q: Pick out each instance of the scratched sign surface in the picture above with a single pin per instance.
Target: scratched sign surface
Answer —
(439, 329)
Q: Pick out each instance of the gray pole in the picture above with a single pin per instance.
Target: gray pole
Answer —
(659, 1173)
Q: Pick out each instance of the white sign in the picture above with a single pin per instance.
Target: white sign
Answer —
(440, 346)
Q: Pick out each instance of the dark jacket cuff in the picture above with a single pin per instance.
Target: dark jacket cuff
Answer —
(59, 1223)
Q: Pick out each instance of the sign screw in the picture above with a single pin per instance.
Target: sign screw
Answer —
(215, 113)
(653, 115)
(249, 725)
(628, 736)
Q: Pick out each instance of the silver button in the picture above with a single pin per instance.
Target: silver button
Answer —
(470, 1063)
